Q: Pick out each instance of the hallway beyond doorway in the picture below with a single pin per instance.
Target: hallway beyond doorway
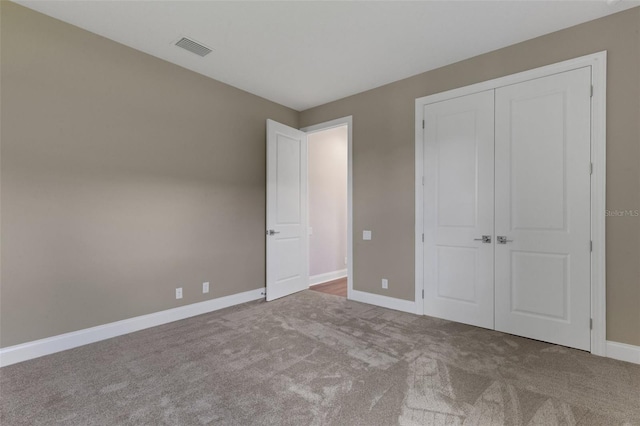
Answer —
(336, 287)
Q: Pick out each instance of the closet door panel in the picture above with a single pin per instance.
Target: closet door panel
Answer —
(542, 199)
(458, 206)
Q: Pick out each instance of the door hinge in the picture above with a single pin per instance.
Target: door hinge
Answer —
(422, 180)
(591, 91)
(590, 323)
(423, 124)
(423, 238)
(590, 168)
(423, 293)
(591, 245)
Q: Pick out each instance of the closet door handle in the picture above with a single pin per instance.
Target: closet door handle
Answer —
(485, 239)
(503, 240)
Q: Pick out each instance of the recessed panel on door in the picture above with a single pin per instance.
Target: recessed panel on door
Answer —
(457, 273)
(538, 161)
(456, 134)
(288, 188)
(539, 284)
(458, 206)
(542, 208)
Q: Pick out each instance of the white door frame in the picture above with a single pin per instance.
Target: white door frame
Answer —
(338, 122)
(598, 64)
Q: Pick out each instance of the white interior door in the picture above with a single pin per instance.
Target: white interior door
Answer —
(458, 209)
(543, 208)
(287, 247)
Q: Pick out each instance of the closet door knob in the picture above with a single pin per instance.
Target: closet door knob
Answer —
(485, 239)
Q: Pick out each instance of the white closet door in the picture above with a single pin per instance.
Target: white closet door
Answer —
(543, 208)
(458, 209)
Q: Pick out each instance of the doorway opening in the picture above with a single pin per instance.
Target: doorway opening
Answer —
(330, 266)
(327, 171)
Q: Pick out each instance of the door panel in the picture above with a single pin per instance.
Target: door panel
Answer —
(456, 136)
(287, 248)
(458, 206)
(288, 191)
(542, 207)
(537, 157)
(457, 270)
(539, 284)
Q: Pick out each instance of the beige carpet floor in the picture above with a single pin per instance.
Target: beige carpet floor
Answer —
(318, 359)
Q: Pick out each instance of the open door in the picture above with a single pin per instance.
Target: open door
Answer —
(287, 235)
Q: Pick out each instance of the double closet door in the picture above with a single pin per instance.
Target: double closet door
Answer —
(507, 209)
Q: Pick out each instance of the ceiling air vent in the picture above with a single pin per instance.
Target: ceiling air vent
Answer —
(193, 47)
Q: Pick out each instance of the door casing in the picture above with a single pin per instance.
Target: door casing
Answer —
(597, 62)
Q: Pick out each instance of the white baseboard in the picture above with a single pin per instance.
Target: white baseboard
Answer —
(37, 348)
(328, 276)
(384, 301)
(623, 352)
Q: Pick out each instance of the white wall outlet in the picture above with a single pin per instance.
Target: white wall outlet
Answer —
(345, 260)
(366, 235)
(205, 287)
(385, 283)
(179, 293)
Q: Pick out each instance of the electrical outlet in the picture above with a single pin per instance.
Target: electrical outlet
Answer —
(366, 235)
(345, 260)
(179, 293)
(385, 283)
(205, 287)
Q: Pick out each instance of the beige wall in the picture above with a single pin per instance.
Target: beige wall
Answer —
(122, 177)
(383, 158)
(328, 200)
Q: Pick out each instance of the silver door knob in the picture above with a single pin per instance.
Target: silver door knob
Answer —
(272, 232)
(503, 240)
(485, 239)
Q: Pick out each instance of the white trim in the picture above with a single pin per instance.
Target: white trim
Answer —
(568, 65)
(623, 352)
(384, 301)
(419, 206)
(62, 342)
(326, 277)
(348, 121)
(598, 64)
(598, 202)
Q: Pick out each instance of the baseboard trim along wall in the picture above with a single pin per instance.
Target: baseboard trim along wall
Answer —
(327, 276)
(37, 348)
(384, 301)
(623, 352)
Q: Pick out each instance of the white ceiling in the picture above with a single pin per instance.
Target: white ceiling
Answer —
(306, 53)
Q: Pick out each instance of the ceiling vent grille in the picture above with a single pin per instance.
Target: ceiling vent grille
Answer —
(193, 47)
